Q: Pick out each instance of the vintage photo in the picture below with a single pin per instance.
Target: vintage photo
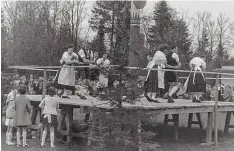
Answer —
(105, 75)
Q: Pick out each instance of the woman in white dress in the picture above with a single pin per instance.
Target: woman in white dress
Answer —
(195, 83)
(65, 79)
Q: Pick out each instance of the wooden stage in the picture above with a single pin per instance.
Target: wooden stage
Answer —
(179, 107)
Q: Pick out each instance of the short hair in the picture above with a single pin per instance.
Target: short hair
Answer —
(22, 89)
(70, 46)
(51, 91)
(163, 47)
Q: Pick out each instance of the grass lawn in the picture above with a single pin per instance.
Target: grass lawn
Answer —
(189, 139)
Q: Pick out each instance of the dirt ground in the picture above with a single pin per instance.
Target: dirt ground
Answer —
(189, 139)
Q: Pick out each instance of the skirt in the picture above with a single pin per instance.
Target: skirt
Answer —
(83, 73)
(60, 85)
(94, 73)
(54, 121)
(10, 122)
(199, 84)
(151, 84)
(171, 76)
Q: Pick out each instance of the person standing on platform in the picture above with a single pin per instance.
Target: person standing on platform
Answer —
(173, 62)
(22, 115)
(196, 83)
(65, 79)
(86, 57)
(155, 80)
(94, 73)
(149, 58)
(50, 106)
(103, 77)
(30, 84)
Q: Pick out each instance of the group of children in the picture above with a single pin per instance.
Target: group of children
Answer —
(18, 115)
(160, 81)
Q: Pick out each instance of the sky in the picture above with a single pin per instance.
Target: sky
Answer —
(186, 6)
(193, 6)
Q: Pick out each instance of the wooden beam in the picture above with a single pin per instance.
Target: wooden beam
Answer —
(215, 111)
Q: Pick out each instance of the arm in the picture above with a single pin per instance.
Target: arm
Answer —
(176, 57)
(28, 106)
(42, 104)
(82, 56)
(203, 66)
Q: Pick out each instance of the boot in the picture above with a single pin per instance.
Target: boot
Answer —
(170, 100)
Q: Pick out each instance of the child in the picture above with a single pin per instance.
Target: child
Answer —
(149, 58)
(10, 114)
(49, 114)
(80, 90)
(22, 115)
(196, 83)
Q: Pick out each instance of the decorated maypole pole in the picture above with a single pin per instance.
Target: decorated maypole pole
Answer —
(136, 54)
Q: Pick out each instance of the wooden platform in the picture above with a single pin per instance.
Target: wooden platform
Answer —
(179, 107)
(184, 106)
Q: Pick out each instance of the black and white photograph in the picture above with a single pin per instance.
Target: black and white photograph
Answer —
(115, 75)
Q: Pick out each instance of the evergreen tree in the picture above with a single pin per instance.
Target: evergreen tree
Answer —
(170, 29)
(98, 43)
(115, 16)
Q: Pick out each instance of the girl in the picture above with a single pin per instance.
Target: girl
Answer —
(22, 117)
(65, 79)
(94, 72)
(195, 83)
(10, 113)
(155, 78)
(149, 58)
(49, 115)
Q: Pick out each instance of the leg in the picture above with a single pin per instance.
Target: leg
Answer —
(24, 136)
(10, 136)
(52, 136)
(44, 134)
(153, 95)
(7, 135)
(173, 90)
(18, 136)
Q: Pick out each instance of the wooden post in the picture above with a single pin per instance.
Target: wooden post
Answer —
(215, 111)
(90, 135)
(209, 128)
(139, 134)
(44, 84)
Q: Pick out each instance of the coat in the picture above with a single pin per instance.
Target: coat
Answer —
(23, 109)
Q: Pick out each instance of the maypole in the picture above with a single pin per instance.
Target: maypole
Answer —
(136, 37)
